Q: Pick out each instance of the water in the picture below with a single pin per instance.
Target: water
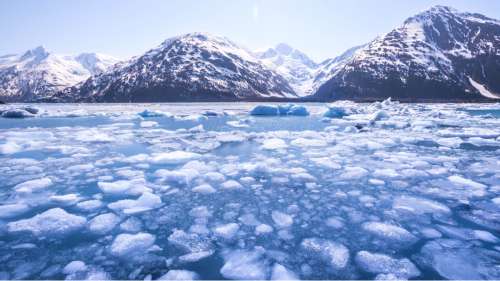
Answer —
(389, 191)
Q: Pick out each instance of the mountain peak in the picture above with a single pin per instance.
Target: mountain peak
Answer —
(38, 53)
(283, 49)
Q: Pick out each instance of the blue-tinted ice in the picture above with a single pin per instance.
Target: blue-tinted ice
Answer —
(208, 191)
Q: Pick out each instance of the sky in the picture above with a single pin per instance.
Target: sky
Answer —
(123, 28)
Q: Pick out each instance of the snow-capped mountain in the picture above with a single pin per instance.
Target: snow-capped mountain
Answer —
(292, 64)
(37, 73)
(438, 55)
(191, 67)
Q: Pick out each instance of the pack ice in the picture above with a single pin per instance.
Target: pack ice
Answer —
(250, 191)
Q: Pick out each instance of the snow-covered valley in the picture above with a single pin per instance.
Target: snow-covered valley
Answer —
(226, 191)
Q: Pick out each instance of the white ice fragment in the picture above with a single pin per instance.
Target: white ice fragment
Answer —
(419, 205)
(89, 205)
(204, 189)
(263, 229)
(55, 221)
(124, 187)
(272, 144)
(214, 177)
(231, 185)
(8, 211)
(226, 231)
(104, 223)
(196, 256)
(175, 157)
(282, 220)
(335, 254)
(485, 236)
(126, 245)
(280, 272)
(352, 173)
(176, 274)
(146, 202)
(148, 124)
(244, 265)
(33, 185)
(74, 266)
(389, 231)
(66, 199)
(466, 182)
(10, 148)
(379, 263)
(306, 142)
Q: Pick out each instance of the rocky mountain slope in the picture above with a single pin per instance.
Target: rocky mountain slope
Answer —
(191, 67)
(38, 73)
(438, 55)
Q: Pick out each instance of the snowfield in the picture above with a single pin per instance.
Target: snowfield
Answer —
(250, 191)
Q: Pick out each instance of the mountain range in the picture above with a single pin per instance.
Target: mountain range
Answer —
(439, 55)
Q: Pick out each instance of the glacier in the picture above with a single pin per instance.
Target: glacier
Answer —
(381, 190)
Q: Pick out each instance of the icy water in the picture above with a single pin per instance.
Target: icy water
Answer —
(207, 191)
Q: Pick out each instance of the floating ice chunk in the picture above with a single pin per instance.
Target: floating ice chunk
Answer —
(226, 231)
(148, 124)
(335, 222)
(455, 260)
(286, 109)
(263, 229)
(89, 205)
(297, 110)
(335, 112)
(200, 212)
(335, 254)
(389, 231)
(80, 168)
(281, 220)
(466, 182)
(66, 199)
(272, 144)
(280, 272)
(214, 177)
(450, 142)
(379, 263)
(55, 221)
(189, 242)
(13, 210)
(194, 257)
(265, 110)
(10, 148)
(352, 173)
(244, 265)
(33, 185)
(231, 185)
(104, 223)
(132, 225)
(150, 113)
(126, 245)
(123, 187)
(175, 157)
(74, 266)
(204, 189)
(180, 275)
(146, 202)
(430, 233)
(419, 205)
(16, 113)
(303, 142)
(485, 236)
(386, 173)
(379, 115)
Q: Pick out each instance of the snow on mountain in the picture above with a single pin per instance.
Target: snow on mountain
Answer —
(440, 55)
(292, 64)
(38, 73)
(191, 67)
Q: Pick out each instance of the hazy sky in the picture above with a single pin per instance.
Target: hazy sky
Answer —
(320, 28)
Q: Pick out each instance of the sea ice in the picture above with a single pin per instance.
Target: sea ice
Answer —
(226, 231)
(174, 157)
(272, 144)
(132, 244)
(389, 231)
(33, 185)
(55, 221)
(333, 253)
(280, 272)
(180, 275)
(75, 266)
(8, 211)
(282, 220)
(379, 263)
(104, 223)
(244, 265)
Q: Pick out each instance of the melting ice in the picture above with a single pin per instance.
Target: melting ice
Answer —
(247, 191)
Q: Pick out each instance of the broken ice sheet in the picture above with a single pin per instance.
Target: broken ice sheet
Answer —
(383, 191)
